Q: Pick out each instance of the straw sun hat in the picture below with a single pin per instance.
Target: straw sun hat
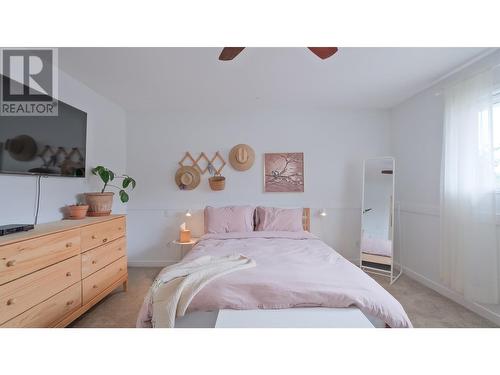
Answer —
(187, 178)
(22, 147)
(241, 157)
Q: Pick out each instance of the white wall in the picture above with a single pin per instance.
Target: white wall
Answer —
(417, 136)
(417, 126)
(334, 145)
(106, 135)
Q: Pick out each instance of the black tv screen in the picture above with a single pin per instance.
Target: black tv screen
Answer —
(44, 145)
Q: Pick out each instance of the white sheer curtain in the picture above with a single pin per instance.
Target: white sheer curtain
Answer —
(469, 246)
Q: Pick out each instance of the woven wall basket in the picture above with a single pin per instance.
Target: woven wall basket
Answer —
(217, 183)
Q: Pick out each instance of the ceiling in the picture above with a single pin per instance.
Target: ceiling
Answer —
(159, 79)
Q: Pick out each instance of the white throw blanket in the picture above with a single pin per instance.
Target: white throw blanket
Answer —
(176, 285)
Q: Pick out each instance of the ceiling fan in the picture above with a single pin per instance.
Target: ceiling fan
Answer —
(229, 53)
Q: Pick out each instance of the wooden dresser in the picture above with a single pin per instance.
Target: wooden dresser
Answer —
(51, 275)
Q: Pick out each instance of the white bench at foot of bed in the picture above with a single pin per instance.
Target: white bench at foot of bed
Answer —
(312, 317)
(293, 318)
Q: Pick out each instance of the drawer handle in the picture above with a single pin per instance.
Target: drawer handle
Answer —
(94, 286)
(104, 240)
(120, 228)
(69, 244)
(94, 262)
(121, 269)
(68, 274)
(11, 263)
(69, 303)
(94, 237)
(10, 301)
(119, 249)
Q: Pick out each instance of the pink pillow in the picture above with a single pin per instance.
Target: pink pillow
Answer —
(279, 219)
(229, 219)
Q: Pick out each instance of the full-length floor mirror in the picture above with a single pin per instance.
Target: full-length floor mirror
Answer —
(377, 218)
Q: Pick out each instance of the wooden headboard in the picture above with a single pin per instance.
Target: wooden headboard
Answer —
(306, 219)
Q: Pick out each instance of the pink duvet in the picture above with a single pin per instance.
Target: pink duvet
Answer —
(293, 270)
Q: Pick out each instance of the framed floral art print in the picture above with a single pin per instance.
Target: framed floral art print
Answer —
(284, 172)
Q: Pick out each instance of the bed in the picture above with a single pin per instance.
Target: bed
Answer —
(297, 279)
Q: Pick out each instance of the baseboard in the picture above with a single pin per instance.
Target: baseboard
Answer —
(149, 263)
(454, 296)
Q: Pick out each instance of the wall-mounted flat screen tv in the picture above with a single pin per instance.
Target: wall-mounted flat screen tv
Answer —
(44, 145)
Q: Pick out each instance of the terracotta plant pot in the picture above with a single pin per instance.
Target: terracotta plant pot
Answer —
(99, 203)
(77, 212)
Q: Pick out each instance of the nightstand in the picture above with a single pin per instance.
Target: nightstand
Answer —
(185, 246)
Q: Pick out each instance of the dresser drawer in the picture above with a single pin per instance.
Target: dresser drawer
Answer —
(95, 259)
(50, 311)
(102, 233)
(102, 279)
(19, 295)
(24, 257)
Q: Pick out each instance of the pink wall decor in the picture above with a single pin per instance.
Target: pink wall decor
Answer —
(284, 172)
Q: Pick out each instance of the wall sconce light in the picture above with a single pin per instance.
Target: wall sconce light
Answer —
(188, 213)
(322, 212)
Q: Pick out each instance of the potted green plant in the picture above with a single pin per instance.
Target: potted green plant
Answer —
(100, 203)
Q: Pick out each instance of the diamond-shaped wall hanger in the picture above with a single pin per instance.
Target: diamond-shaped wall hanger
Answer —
(60, 155)
(46, 155)
(188, 158)
(218, 161)
(203, 164)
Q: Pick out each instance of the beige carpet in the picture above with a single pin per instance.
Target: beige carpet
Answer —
(428, 309)
(425, 307)
(119, 309)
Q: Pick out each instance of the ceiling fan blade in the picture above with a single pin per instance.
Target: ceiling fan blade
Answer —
(323, 52)
(229, 53)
